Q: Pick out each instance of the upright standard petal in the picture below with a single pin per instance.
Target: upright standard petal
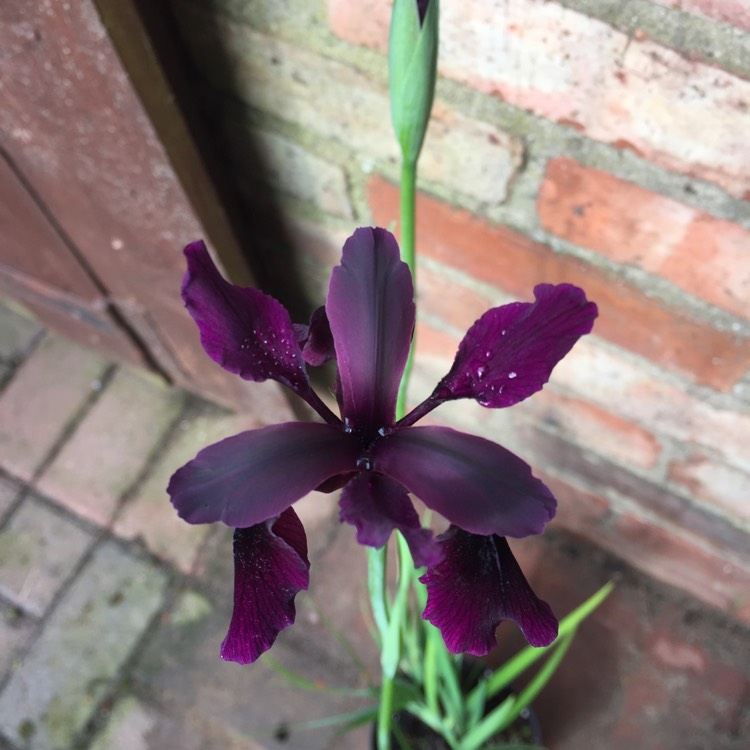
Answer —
(509, 353)
(477, 586)
(376, 506)
(251, 477)
(316, 339)
(370, 309)
(270, 567)
(244, 330)
(474, 483)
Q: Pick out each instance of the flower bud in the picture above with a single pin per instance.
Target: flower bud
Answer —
(412, 57)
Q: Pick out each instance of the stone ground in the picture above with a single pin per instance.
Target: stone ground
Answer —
(112, 610)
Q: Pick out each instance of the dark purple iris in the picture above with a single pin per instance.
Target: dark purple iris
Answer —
(251, 480)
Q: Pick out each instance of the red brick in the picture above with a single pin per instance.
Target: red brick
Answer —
(705, 256)
(675, 559)
(632, 390)
(736, 12)
(714, 482)
(573, 69)
(601, 475)
(704, 571)
(592, 426)
(676, 654)
(46, 393)
(578, 511)
(502, 257)
(442, 296)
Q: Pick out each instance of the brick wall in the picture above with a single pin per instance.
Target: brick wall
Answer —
(591, 141)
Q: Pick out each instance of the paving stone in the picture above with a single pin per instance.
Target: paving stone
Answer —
(86, 640)
(110, 447)
(15, 630)
(149, 515)
(10, 489)
(182, 667)
(17, 333)
(45, 394)
(39, 549)
(137, 725)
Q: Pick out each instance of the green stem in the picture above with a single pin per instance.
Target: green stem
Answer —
(409, 256)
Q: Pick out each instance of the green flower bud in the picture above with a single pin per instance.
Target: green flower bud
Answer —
(412, 58)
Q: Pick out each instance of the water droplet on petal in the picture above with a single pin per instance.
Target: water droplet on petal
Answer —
(381, 432)
(347, 425)
(481, 372)
(488, 354)
(511, 375)
(364, 464)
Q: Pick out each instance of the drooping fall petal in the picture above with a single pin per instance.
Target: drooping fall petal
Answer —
(477, 586)
(270, 567)
(509, 353)
(370, 310)
(474, 483)
(256, 475)
(376, 506)
(244, 330)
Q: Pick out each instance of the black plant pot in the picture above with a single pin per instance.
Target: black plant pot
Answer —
(525, 730)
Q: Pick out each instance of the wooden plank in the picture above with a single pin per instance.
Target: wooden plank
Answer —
(75, 128)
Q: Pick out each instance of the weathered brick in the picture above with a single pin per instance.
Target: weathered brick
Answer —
(603, 476)
(39, 550)
(632, 391)
(705, 256)
(579, 511)
(86, 640)
(46, 393)
(110, 447)
(715, 483)
(291, 169)
(149, 515)
(443, 296)
(709, 575)
(338, 102)
(17, 333)
(593, 426)
(502, 257)
(736, 12)
(579, 71)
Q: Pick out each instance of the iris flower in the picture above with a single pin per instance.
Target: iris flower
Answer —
(486, 493)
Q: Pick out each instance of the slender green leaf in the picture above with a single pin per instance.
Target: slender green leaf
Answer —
(305, 684)
(376, 583)
(519, 663)
(504, 715)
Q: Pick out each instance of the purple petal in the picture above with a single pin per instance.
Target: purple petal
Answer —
(245, 331)
(477, 586)
(509, 353)
(270, 567)
(317, 341)
(376, 506)
(370, 308)
(256, 475)
(474, 483)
